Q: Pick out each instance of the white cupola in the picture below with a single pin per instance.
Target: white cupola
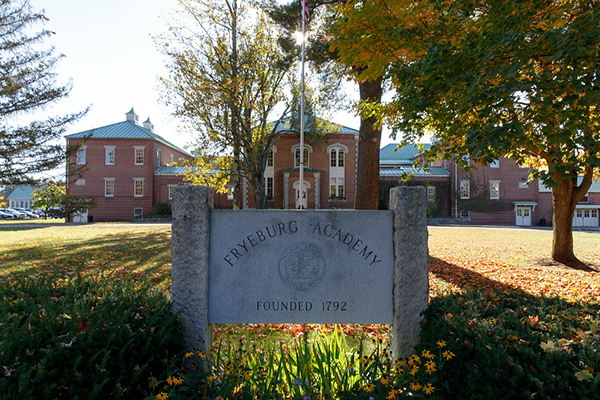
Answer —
(132, 116)
(148, 125)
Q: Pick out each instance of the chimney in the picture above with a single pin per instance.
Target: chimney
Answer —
(132, 116)
(148, 125)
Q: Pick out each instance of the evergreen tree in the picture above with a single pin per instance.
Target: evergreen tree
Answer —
(28, 84)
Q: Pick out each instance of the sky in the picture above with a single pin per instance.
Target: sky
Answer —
(113, 64)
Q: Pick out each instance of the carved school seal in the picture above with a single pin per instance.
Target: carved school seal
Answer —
(302, 266)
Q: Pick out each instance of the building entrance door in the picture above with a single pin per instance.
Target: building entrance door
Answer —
(304, 201)
(523, 216)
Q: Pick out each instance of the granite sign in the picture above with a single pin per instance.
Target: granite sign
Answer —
(291, 266)
(315, 266)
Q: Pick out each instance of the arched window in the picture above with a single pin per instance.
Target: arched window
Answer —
(307, 151)
(337, 162)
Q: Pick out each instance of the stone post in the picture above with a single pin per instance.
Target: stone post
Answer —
(190, 256)
(411, 267)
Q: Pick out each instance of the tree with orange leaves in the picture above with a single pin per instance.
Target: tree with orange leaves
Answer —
(490, 79)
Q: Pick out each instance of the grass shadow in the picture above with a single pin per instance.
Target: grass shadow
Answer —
(509, 343)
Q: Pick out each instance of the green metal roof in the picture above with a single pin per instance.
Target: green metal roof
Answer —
(284, 125)
(170, 170)
(391, 154)
(23, 192)
(122, 130)
(397, 171)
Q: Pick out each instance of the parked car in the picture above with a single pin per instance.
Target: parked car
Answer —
(5, 215)
(29, 213)
(17, 214)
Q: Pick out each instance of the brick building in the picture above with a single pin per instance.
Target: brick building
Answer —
(124, 168)
(119, 165)
(496, 194)
(329, 173)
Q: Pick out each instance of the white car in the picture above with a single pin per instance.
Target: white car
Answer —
(17, 214)
(5, 215)
(29, 213)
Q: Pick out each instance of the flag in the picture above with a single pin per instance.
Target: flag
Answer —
(304, 4)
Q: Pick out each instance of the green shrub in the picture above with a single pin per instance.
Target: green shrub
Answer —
(83, 339)
(511, 345)
(161, 209)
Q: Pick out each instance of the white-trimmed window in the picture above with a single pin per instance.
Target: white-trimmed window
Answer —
(271, 158)
(229, 192)
(337, 188)
(337, 175)
(336, 157)
(172, 158)
(494, 190)
(109, 187)
(158, 155)
(139, 155)
(138, 212)
(109, 155)
(431, 193)
(465, 189)
(81, 155)
(269, 188)
(464, 214)
(307, 150)
(297, 158)
(495, 164)
(270, 174)
(138, 187)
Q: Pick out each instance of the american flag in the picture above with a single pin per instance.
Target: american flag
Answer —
(304, 4)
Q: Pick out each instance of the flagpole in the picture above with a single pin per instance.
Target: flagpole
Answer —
(301, 186)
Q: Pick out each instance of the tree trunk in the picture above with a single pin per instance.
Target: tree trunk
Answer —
(562, 223)
(564, 200)
(260, 195)
(369, 142)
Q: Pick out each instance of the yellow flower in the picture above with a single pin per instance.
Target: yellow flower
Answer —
(385, 380)
(177, 381)
(368, 388)
(415, 386)
(427, 354)
(398, 363)
(201, 354)
(430, 365)
(393, 393)
(413, 371)
(448, 355)
(428, 389)
(170, 381)
(414, 359)
(162, 396)
(441, 344)
(188, 354)
(212, 378)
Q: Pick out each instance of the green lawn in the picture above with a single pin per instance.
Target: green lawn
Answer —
(86, 314)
